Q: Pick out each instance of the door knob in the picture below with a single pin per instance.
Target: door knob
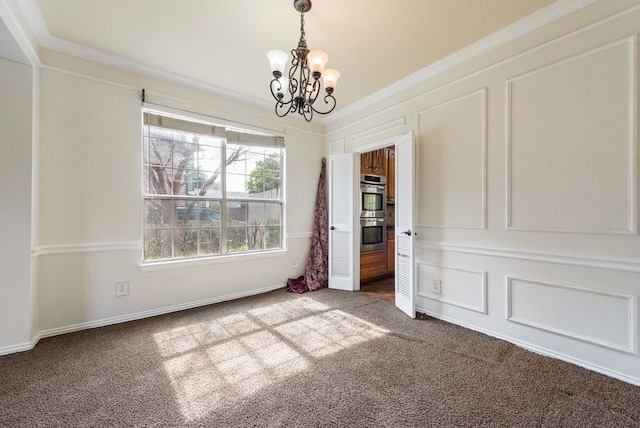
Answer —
(407, 232)
(332, 228)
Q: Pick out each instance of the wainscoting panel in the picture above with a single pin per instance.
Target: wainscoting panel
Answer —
(452, 159)
(458, 286)
(598, 317)
(572, 146)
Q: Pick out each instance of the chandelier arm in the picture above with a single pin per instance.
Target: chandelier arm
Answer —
(276, 84)
(332, 104)
(312, 91)
(293, 80)
(307, 112)
(283, 109)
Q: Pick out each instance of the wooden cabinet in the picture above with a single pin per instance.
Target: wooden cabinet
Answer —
(379, 263)
(373, 264)
(390, 173)
(373, 162)
(391, 250)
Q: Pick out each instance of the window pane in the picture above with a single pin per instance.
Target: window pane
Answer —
(185, 242)
(256, 173)
(273, 221)
(210, 241)
(209, 184)
(157, 244)
(158, 161)
(159, 214)
(236, 237)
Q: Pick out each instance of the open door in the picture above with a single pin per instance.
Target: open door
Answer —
(405, 293)
(344, 268)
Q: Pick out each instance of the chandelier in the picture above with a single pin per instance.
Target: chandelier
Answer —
(298, 91)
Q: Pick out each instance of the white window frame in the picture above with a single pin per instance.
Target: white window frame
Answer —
(192, 123)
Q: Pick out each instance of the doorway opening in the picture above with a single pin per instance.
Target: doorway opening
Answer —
(377, 223)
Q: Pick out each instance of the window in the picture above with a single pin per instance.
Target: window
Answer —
(208, 189)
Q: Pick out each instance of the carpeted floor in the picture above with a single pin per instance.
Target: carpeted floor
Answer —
(321, 359)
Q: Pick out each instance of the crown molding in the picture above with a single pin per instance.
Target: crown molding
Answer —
(550, 13)
(44, 38)
(523, 26)
(26, 41)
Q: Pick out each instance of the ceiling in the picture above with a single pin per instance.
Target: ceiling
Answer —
(223, 43)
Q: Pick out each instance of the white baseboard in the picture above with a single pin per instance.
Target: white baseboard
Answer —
(21, 347)
(538, 350)
(131, 317)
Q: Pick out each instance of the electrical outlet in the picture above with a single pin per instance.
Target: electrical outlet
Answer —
(122, 288)
(294, 263)
(437, 286)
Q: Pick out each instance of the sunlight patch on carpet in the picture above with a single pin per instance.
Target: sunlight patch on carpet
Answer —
(215, 363)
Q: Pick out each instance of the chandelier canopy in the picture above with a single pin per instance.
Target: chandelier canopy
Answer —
(297, 90)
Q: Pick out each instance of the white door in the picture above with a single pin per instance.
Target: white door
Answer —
(344, 269)
(404, 225)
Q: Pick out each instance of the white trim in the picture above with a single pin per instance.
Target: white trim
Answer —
(631, 311)
(154, 312)
(632, 214)
(537, 349)
(633, 133)
(26, 346)
(48, 250)
(596, 262)
(29, 51)
(33, 15)
(380, 144)
(523, 26)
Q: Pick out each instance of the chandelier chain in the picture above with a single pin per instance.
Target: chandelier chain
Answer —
(302, 33)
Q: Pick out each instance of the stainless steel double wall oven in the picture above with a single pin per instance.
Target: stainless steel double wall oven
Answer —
(373, 213)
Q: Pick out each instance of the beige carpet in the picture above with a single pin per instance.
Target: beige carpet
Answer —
(321, 359)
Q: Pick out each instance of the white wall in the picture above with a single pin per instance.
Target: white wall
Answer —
(91, 203)
(527, 185)
(16, 315)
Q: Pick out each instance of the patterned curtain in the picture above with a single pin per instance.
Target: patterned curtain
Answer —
(317, 272)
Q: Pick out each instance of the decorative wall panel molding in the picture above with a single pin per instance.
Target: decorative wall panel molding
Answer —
(452, 178)
(47, 250)
(597, 317)
(609, 263)
(458, 286)
(377, 130)
(572, 144)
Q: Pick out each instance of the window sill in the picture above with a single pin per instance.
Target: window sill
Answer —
(186, 263)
